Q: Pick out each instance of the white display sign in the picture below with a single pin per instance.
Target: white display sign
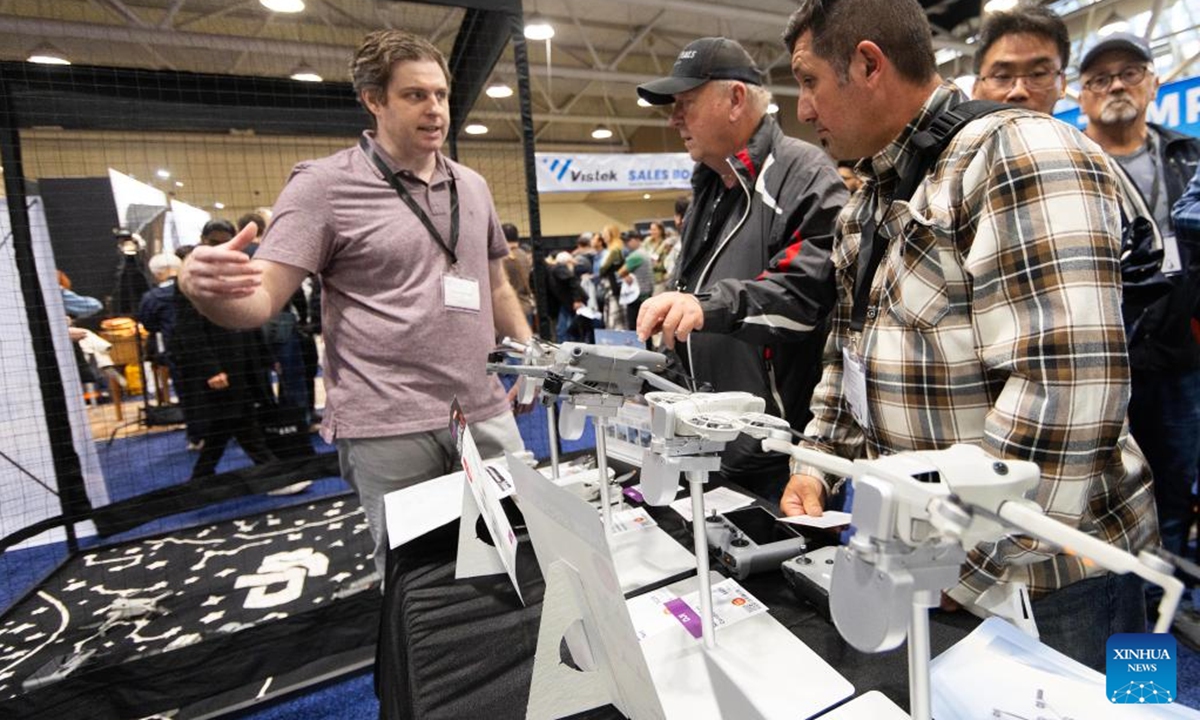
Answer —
(184, 225)
(589, 172)
(488, 489)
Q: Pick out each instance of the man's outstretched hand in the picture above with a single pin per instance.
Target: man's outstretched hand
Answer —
(222, 271)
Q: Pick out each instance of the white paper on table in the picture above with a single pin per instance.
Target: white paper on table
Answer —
(719, 500)
(1024, 678)
(829, 519)
(649, 614)
(731, 603)
(426, 506)
(631, 519)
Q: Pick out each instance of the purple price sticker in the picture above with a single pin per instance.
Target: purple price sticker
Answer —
(634, 494)
(685, 615)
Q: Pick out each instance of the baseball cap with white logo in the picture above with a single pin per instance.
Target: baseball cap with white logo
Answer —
(710, 58)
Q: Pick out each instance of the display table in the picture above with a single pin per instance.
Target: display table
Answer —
(455, 649)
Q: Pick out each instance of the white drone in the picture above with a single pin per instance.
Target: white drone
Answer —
(592, 381)
(689, 432)
(916, 514)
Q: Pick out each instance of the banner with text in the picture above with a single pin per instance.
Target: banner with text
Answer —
(1177, 107)
(590, 172)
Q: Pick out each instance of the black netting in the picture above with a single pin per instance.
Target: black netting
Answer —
(109, 171)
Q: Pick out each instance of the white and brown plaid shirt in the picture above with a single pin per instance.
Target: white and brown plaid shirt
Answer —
(995, 320)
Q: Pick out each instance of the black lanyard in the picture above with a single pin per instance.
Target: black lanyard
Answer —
(869, 242)
(417, 210)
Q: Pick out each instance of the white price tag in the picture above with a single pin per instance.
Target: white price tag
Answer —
(460, 293)
(632, 519)
(731, 603)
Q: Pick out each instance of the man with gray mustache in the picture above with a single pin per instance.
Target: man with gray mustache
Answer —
(1118, 83)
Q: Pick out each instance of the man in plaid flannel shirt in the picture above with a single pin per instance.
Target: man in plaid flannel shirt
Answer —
(994, 318)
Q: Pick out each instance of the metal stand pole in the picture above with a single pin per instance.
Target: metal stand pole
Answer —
(552, 431)
(602, 465)
(700, 547)
(918, 662)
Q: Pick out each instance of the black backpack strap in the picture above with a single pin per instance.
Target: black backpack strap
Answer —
(933, 140)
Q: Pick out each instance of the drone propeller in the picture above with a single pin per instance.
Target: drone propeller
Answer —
(761, 425)
(718, 426)
(664, 398)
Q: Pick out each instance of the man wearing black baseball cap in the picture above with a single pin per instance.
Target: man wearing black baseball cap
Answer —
(758, 196)
(711, 58)
(1118, 84)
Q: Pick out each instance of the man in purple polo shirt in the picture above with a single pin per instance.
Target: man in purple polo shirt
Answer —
(410, 253)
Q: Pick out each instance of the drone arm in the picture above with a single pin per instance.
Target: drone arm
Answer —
(832, 464)
(660, 382)
(1030, 519)
(526, 370)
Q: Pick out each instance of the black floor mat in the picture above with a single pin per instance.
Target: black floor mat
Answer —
(152, 625)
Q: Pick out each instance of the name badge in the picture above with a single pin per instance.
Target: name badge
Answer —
(460, 293)
(1171, 262)
(854, 387)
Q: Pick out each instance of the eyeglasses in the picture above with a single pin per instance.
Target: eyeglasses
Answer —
(1036, 80)
(1132, 75)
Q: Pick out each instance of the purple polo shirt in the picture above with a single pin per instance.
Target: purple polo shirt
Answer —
(395, 356)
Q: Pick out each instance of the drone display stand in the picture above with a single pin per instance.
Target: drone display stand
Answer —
(577, 407)
(643, 556)
(915, 515)
(668, 674)
(689, 433)
(593, 381)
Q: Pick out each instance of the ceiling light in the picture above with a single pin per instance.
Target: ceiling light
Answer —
(499, 90)
(219, 205)
(283, 6)
(772, 108)
(178, 184)
(1114, 23)
(992, 6)
(537, 28)
(162, 173)
(476, 129)
(305, 73)
(645, 196)
(602, 133)
(47, 54)
(643, 102)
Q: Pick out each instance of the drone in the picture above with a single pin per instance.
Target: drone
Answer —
(689, 432)
(916, 514)
(590, 380)
(572, 369)
(125, 609)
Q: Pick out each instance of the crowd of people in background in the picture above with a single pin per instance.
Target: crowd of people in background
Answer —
(603, 282)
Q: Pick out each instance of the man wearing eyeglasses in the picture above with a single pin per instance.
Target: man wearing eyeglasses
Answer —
(1021, 56)
(1118, 82)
